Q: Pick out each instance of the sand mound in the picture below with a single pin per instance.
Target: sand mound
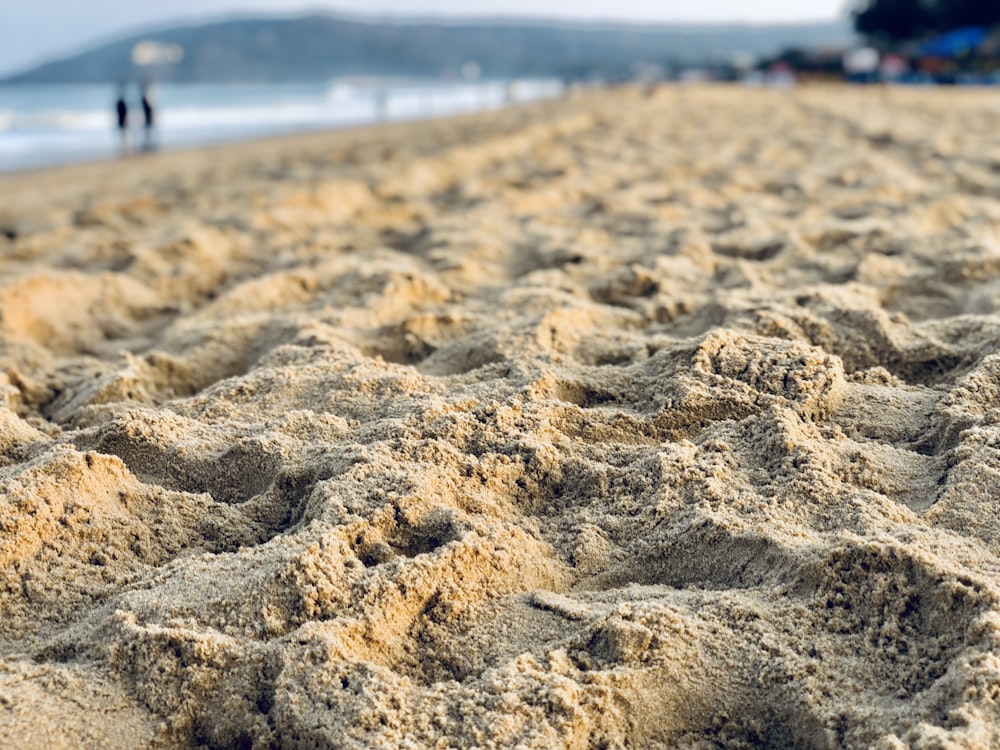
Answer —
(619, 422)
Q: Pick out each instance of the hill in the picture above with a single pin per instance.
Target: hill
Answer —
(318, 47)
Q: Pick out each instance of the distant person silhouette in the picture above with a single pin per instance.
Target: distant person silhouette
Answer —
(149, 141)
(121, 109)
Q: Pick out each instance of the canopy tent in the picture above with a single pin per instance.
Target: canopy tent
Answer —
(955, 43)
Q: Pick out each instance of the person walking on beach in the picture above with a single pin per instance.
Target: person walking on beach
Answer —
(121, 109)
(149, 142)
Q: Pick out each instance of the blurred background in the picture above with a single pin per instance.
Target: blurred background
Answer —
(206, 71)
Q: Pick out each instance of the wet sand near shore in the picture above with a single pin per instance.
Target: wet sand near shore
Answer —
(612, 422)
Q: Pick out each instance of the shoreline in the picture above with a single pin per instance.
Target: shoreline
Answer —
(289, 139)
(37, 129)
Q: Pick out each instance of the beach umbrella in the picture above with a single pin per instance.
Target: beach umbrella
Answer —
(955, 43)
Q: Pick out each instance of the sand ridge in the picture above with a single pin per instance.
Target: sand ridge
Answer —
(622, 421)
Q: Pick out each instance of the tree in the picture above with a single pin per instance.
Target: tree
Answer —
(892, 19)
(958, 13)
(911, 19)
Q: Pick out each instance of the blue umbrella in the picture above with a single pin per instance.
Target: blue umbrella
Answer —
(956, 42)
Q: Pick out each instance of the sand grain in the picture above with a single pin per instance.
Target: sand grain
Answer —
(615, 422)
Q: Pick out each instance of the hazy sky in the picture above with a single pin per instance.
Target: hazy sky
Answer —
(36, 30)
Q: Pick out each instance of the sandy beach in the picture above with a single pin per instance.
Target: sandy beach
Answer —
(614, 422)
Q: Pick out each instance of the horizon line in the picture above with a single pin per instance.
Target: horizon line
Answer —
(448, 19)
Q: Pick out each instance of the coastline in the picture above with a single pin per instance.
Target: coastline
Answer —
(48, 125)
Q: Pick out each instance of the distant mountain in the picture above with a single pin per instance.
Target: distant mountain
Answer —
(319, 47)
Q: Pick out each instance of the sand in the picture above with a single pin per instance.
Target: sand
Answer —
(613, 422)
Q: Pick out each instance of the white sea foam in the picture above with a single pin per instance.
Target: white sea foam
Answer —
(54, 119)
(48, 125)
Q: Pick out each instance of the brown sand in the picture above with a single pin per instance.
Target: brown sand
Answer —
(608, 423)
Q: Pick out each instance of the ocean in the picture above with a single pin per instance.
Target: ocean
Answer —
(46, 125)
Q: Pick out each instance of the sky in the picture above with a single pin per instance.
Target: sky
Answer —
(39, 30)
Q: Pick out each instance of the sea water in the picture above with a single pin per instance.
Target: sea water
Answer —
(44, 125)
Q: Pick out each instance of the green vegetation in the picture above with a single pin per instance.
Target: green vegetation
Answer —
(899, 20)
